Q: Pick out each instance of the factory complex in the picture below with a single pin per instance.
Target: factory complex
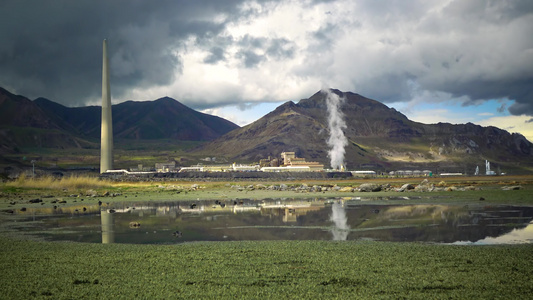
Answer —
(288, 162)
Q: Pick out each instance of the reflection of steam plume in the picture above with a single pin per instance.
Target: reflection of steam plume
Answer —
(338, 216)
(337, 141)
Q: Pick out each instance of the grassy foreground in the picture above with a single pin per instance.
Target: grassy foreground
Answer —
(259, 270)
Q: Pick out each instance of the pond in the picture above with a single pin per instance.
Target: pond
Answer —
(311, 219)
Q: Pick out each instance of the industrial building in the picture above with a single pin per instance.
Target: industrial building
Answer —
(288, 162)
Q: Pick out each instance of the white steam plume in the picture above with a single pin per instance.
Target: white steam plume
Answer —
(336, 141)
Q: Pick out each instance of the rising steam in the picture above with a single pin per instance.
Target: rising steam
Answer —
(336, 141)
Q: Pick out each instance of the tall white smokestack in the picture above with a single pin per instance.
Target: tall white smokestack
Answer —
(106, 144)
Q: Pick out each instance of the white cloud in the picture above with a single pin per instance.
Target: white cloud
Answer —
(512, 124)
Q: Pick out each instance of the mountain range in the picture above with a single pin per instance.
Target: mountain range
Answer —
(378, 137)
(44, 123)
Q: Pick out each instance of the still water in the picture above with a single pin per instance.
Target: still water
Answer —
(313, 219)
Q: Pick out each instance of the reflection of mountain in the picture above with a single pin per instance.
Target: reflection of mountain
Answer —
(516, 236)
(436, 223)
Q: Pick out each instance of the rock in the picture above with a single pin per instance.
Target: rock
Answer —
(511, 188)
(91, 193)
(385, 187)
(369, 187)
(441, 184)
(346, 189)
(406, 187)
(425, 186)
(471, 188)
(135, 224)
(106, 194)
(36, 201)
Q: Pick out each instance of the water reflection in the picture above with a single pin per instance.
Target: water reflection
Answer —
(338, 217)
(516, 236)
(108, 227)
(308, 219)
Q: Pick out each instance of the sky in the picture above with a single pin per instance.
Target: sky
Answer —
(450, 61)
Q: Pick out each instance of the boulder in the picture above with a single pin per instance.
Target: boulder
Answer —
(91, 193)
(511, 188)
(386, 187)
(369, 187)
(135, 224)
(406, 187)
(424, 188)
(260, 186)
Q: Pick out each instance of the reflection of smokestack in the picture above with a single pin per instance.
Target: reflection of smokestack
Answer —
(108, 227)
(106, 154)
(338, 217)
(337, 141)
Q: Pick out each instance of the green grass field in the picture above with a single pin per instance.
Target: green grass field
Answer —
(264, 270)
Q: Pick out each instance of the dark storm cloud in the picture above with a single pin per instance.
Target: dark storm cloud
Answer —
(53, 48)
(216, 54)
(324, 37)
(255, 50)
(249, 58)
(478, 50)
